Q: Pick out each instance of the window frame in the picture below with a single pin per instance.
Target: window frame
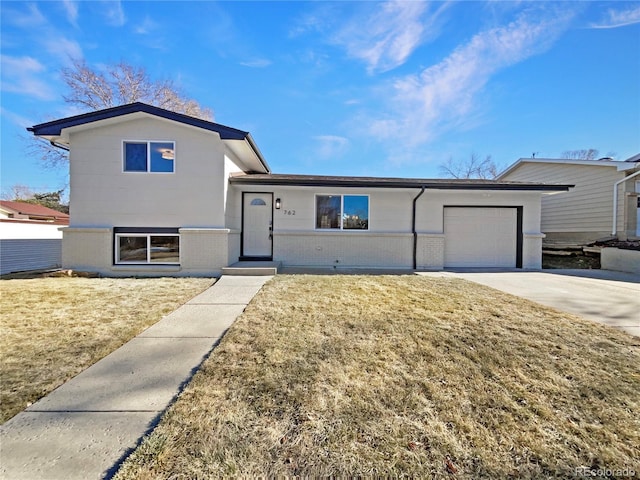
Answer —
(148, 144)
(143, 234)
(341, 214)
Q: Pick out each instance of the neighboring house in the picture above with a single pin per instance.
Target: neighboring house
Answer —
(585, 213)
(159, 193)
(30, 237)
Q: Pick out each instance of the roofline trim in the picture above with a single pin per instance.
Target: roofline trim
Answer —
(358, 182)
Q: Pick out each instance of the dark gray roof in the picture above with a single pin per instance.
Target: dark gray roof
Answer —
(55, 127)
(385, 182)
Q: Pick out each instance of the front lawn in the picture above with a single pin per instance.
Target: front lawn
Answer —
(53, 328)
(394, 376)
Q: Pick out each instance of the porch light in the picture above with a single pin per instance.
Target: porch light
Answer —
(278, 203)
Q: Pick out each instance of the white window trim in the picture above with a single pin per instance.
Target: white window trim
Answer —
(341, 195)
(148, 237)
(148, 142)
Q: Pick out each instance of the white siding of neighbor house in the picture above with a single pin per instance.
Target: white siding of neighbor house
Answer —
(389, 240)
(585, 209)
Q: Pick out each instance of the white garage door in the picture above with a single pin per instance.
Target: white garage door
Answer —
(480, 237)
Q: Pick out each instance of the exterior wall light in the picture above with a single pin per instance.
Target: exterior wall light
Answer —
(278, 203)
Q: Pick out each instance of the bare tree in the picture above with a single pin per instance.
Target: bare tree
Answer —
(116, 84)
(123, 83)
(17, 192)
(473, 167)
(583, 154)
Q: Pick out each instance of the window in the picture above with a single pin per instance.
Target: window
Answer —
(149, 157)
(154, 248)
(342, 212)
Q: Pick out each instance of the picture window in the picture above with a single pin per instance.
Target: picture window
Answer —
(342, 212)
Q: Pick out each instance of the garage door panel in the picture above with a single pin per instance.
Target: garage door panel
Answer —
(480, 237)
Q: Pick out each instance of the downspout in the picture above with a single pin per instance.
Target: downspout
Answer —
(614, 230)
(58, 145)
(413, 229)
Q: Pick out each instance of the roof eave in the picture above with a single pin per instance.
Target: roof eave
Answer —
(356, 183)
(258, 153)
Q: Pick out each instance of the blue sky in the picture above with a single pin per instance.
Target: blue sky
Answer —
(347, 88)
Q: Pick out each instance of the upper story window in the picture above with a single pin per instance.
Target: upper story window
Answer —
(342, 212)
(156, 157)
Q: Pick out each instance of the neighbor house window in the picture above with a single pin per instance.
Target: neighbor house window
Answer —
(149, 157)
(141, 247)
(342, 212)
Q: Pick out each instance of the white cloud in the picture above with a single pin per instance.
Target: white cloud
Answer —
(64, 49)
(257, 63)
(146, 27)
(386, 38)
(21, 65)
(30, 19)
(23, 75)
(71, 7)
(319, 20)
(114, 13)
(619, 18)
(329, 146)
(445, 95)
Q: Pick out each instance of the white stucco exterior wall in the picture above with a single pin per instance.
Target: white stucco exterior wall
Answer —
(102, 194)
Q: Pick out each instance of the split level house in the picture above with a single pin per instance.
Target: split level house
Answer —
(155, 192)
(586, 212)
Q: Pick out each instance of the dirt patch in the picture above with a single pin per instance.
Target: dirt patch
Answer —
(622, 244)
(577, 261)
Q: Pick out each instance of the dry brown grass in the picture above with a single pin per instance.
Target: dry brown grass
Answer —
(391, 376)
(53, 328)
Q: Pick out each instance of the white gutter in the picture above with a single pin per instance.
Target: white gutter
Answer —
(615, 200)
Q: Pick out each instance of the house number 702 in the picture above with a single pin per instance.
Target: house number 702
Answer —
(289, 212)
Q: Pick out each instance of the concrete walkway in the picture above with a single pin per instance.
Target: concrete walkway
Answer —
(605, 296)
(86, 427)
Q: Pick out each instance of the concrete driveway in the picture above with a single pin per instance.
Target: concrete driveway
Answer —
(608, 297)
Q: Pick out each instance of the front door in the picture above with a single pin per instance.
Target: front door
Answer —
(257, 225)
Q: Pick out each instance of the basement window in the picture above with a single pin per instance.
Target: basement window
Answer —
(342, 212)
(162, 247)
